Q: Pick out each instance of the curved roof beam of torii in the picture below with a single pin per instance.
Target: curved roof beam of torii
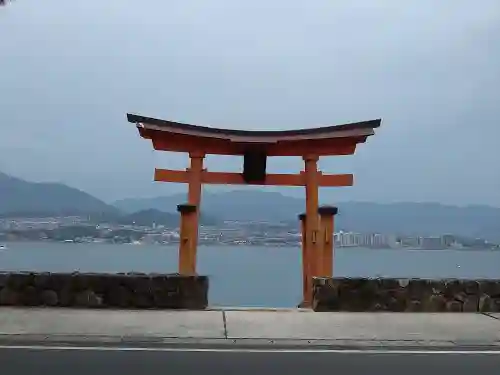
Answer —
(327, 140)
(364, 128)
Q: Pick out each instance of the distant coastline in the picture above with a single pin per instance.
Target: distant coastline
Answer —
(4, 245)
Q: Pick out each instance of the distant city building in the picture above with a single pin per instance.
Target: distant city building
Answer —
(432, 243)
(351, 239)
(448, 240)
(413, 242)
(256, 233)
(347, 239)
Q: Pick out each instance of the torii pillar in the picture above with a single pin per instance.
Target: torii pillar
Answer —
(317, 260)
(327, 240)
(194, 198)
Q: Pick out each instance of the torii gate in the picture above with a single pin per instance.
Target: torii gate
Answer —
(255, 147)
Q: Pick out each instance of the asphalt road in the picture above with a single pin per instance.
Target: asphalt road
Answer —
(24, 361)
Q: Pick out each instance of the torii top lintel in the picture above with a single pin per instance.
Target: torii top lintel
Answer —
(328, 140)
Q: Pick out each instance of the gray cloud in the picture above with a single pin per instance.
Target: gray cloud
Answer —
(69, 71)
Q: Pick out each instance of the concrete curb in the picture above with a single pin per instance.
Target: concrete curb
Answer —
(258, 309)
(243, 343)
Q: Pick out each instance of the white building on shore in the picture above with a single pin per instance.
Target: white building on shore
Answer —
(352, 239)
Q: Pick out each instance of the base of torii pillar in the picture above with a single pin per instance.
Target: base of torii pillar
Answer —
(319, 263)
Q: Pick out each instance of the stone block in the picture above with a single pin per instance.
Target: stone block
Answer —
(471, 287)
(88, 298)
(396, 304)
(414, 306)
(66, 297)
(3, 279)
(42, 281)
(454, 306)
(119, 296)
(30, 296)
(418, 288)
(495, 304)
(81, 282)
(20, 280)
(9, 297)
(490, 287)
(471, 304)
(93, 290)
(485, 304)
(49, 298)
(453, 288)
(461, 296)
(412, 295)
(142, 300)
(435, 303)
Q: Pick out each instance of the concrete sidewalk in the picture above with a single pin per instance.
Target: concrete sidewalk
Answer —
(252, 327)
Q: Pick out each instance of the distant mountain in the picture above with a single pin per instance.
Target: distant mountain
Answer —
(397, 218)
(166, 203)
(151, 216)
(29, 199)
(22, 198)
(421, 219)
(233, 205)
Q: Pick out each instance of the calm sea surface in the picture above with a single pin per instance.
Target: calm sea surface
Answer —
(248, 276)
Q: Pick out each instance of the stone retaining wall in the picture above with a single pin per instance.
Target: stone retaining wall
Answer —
(412, 295)
(127, 290)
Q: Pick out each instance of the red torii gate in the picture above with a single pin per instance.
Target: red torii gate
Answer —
(255, 147)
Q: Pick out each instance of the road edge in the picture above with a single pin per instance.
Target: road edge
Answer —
(238, 344)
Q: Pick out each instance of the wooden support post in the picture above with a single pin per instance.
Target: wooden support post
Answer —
(195, 171)
(186, 263)
(312, 221)
(326, 214)
(305, 266)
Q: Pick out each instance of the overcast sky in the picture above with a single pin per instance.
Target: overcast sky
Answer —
(71, 70)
